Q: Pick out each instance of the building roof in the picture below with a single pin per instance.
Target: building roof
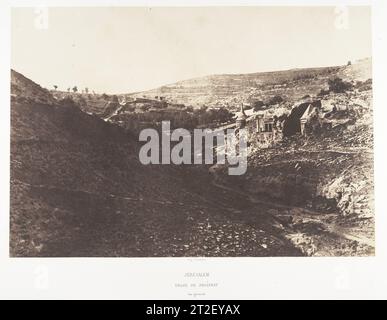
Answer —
(307, 112)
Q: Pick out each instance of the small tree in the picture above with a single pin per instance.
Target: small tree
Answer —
(189, 108)
(275, 100)
(87, 90)
(337, 85)
(75, 89)
(114, 99)
(257, 105)
(55, 87)
(223, 115)
(68, 89)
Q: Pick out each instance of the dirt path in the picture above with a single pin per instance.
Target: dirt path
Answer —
(341, 151)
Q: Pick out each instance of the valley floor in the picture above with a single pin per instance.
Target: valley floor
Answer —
(185, 212)
(78, 190)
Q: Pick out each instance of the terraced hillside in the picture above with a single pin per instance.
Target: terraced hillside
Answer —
(231, 90)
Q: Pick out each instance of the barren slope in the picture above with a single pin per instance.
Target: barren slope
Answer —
(232, 89)
(78, 189)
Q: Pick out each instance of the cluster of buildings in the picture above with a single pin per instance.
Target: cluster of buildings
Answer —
(267, 128)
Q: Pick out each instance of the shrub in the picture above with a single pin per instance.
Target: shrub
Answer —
(323, 92)
(68, 101)
(275, 100)
(145, 107)
(364, 86)
(163, 105)
(337, 85)
(114, 99)
(257, 105)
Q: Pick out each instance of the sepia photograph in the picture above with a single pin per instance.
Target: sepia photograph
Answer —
(191, 132)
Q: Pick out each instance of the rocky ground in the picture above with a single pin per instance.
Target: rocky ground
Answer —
(321, 185)
(78, 189)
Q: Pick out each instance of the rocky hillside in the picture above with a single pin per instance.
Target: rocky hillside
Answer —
(78, 189)
(361, 70)
(231, 90)
(92, 103)
(27, 90)
(322, 182)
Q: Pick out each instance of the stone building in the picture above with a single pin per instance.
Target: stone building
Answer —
(313, 119)
(268, 130)
(301, 116)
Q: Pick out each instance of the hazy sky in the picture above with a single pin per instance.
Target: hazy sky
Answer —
(117, 50)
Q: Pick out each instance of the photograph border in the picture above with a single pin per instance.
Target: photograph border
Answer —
(186, 278)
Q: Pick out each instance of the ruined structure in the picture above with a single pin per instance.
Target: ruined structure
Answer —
(268, 130)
